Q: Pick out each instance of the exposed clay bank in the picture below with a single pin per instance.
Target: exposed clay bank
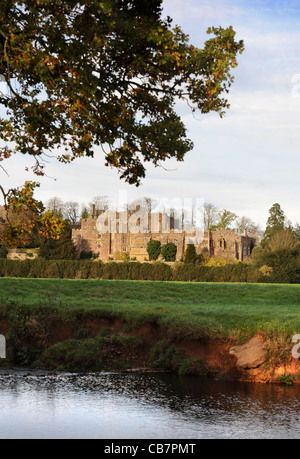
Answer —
(90, 342)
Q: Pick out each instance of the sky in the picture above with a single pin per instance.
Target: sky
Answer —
(244, 162)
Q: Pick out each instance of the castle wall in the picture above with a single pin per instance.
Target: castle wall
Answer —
(227, 244)
(224, 243)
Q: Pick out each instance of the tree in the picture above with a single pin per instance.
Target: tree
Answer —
(284, 263)
(210, 215)
(153, 249)
(226, 218)
(245, 223)
(190, 255)
(56, 205)
(71, 212)
(99, 204)
(296, 231)
(3, 252)
(61, 249)
(275, 222)
(169, 251)
(84, 213)
(283, 239)
(82, 74)
(26, 218)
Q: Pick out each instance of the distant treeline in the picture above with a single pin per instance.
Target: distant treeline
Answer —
(156, 271)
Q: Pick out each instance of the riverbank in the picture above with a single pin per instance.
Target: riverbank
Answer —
(188, 328)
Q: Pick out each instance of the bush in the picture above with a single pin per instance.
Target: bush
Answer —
(169, 251)
(38, 268)
(16, 268)
(84, 255)
(59, 249)
(161, 271)
(95, 270)
(134, 270)
(122, 256)
(188, 272)
(190, 255)
(153, 249)
(114, 270)
(52, 271)
(3, 252)
(289, 272)
(283, 264)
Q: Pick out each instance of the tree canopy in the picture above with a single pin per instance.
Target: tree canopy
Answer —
(226, 218)
(84, 73)
(25, 218)
(275, 223)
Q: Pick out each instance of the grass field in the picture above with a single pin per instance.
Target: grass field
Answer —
(185, 309)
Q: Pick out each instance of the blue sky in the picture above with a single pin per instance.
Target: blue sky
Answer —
(244, 162)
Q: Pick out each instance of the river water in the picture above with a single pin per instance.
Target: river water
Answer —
(143, 406)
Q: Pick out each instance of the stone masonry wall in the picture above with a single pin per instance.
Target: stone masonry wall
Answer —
(107, 245)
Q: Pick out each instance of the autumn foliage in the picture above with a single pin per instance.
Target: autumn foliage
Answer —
(89, 77)
(25, 217)
(86, 74)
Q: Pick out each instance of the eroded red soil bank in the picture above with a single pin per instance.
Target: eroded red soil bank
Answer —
(217, 355)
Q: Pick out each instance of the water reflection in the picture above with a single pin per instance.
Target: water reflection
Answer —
(144, 406)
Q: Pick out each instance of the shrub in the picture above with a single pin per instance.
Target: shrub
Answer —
(58, 249)
(146, 271)
(169, 251)
(2, 266)
(190, 255)
(84, 255)
(114, 270)
(289, 272)
(3, 252)
(164, 356)
(219, 261)
(21, 268)
(266, 270)
(161, 271)
(134, 270)
(52, 271)
(154, 249)
(123, 256)
(96, 269)
(38, 268)
(284, 264)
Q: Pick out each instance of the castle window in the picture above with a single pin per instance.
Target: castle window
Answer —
(222, 243)
(124, 248)
(124, 240)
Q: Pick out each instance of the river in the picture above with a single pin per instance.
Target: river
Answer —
(143, 406)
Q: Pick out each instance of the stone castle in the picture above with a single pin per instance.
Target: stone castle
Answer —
(120, 241)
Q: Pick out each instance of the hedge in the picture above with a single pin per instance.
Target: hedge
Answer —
(90, 269)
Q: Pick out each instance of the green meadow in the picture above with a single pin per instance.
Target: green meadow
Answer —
(185, 309)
